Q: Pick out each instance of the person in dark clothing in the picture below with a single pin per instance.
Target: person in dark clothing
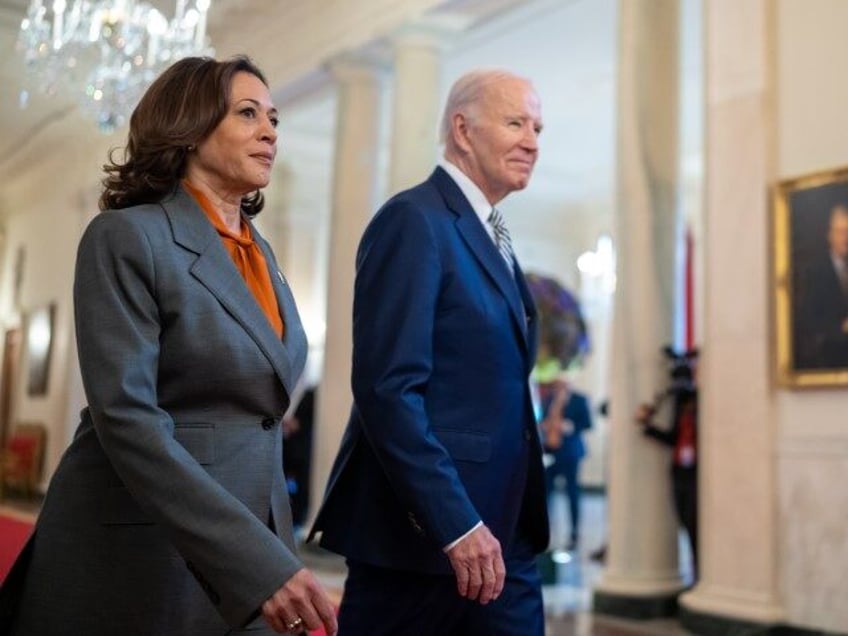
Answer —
(297, 455)
(681, 436)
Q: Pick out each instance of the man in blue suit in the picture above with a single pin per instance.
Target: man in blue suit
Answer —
(437, 495)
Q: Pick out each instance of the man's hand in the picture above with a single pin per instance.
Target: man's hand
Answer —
(479, 567)
(300, 605)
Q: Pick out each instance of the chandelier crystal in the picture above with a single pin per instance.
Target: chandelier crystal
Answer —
(106, 52)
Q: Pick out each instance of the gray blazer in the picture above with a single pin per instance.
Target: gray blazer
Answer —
(168, 513)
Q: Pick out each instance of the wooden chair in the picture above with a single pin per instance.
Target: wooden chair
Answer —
(22, 459)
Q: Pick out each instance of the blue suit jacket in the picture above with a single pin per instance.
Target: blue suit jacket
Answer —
(442, 432)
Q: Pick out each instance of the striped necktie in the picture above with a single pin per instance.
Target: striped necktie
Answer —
(502, 240)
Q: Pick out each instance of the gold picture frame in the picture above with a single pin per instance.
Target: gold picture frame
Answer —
(810, 280)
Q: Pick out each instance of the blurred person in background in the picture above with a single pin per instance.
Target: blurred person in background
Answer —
(566, 416)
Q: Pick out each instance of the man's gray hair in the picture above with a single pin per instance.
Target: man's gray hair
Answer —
(466, 93)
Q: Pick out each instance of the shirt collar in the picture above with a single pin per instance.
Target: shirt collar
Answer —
(479, 202)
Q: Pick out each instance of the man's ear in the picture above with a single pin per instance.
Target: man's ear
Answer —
(459, 132)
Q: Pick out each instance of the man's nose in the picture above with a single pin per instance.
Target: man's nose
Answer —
(531, 138)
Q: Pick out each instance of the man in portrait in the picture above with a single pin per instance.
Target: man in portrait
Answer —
(821, 301)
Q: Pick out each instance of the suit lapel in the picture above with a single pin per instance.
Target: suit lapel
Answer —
(529, 313)
(481, 245)
(215, 270)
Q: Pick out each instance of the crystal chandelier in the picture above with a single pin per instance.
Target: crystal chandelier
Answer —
(106, 52)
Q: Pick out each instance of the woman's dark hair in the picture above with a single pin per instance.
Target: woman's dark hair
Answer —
(179, 110)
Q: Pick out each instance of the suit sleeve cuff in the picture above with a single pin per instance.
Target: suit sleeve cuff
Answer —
(453, 543)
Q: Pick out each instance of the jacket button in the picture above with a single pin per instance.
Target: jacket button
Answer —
(527, 435)
(268, 423)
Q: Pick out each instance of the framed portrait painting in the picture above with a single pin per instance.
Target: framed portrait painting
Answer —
(39, 344)
(811, 279)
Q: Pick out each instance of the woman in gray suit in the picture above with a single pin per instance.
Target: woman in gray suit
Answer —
(168, 513)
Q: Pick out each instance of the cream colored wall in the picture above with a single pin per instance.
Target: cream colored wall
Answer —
(44, 212)
(812, 426)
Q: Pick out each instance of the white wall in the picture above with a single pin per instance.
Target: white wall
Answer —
(813, 427)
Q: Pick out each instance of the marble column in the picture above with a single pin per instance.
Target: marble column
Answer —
(642, 577)
(273, 221)
(740, 570)
(414, 142)
(354, 200)
(297, 233)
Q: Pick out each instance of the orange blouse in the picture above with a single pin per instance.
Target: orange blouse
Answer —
(248, 259)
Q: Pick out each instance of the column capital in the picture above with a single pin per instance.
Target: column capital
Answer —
(367, 65)
(431, 31)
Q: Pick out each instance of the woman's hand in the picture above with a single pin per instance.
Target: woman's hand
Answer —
(300, 605)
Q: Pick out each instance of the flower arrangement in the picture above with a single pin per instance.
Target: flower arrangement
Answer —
(563, 336)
